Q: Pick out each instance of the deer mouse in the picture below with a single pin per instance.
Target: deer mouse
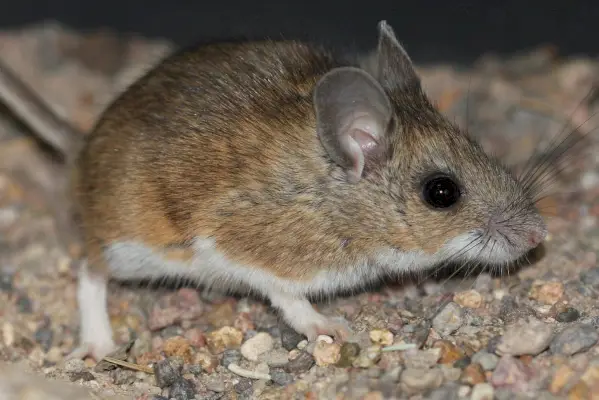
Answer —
(284, 169)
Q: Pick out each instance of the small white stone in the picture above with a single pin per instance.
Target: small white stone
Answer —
(259, 344)
(324, 338)
(482, 391)
(302, 345)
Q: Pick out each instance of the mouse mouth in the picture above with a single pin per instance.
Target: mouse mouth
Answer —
(495, 245)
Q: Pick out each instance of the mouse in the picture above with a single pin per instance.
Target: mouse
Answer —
(289, 170)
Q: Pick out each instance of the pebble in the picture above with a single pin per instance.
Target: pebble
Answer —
(122, 376)
(538, 337)
(590, 276)
(546, 292)
(24, 304)
(450, 353)
(6, 282)
(300, 364)
(324, 338)
(422, 359)
(568, 315)
(511, 373)
(44, 335)
(574, 339)
(382, 337)
(178, 346)
(449, 319)
(289, 337)
(230, 356)
(74, 365)
(280, 377)
(482, 391)
(85, 376)
(469, 299)
(261, 343)
(207, 361)
(486, 360)
(368, 357)
(473, 374)
(326, 353)
(419, 380)
(224, 338)
(167, 372)
(215, 384)
(277, 358)
(561, 377)
(445, 392)
(243, 385)
(462, 362)
(182, 389)
(348, 353)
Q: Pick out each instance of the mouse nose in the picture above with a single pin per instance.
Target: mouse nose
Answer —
(535, 238)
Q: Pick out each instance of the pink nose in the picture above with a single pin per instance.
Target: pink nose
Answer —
(535, 238)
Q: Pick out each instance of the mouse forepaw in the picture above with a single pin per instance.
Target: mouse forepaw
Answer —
(97, 350)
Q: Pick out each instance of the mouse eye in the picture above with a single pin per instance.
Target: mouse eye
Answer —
(440, 191)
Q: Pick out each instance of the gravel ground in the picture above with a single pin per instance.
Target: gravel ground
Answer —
(527, 333)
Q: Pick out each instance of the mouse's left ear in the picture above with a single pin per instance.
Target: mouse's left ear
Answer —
(394, 68)
(352, 119)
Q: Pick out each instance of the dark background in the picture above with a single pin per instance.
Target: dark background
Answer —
(457, 31)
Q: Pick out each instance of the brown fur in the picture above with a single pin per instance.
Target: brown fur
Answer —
(220, 142)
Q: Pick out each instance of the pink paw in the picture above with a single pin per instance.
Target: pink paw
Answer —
(337, 327)
(97, 351)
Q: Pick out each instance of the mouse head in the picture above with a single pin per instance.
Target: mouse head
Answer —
(453, 200)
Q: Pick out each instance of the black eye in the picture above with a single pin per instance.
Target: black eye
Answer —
(440, 191)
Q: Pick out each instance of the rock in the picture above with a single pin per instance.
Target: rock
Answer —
(482, 391)
(207, 361)
(326, 353)
(368, 357)
(44, 335)
(445, 392)
(450, 353)
(277, 358)
(381, 337)
(300, 364)
(280, 377)
(511, 373)
(473, 374)
(289, 337)
(574, 339)
(230, 356)
(182, 389)
(510, 311)
(215, 384)
(560, 379)
(348, 353)
(422, 359)
(224, 338)
(546, 292)
(178, 346)
(261, 343)
(462, 362)
(419, 380)
(449, 319)
(74, 366)
(538, 336)
(85, 376)
(590, 277)
(568, 315)
(24, 304)
(6, 281)
(486, 360)
(469, 299)
(122, 376)
(167, 372)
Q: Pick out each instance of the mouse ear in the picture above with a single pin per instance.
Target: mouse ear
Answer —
(352, 116)
(395, 69)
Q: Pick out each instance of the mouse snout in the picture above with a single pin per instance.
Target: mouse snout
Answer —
(535, 237)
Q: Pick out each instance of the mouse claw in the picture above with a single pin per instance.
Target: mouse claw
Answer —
(337, 327)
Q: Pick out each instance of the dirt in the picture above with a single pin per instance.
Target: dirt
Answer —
(525, 333)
